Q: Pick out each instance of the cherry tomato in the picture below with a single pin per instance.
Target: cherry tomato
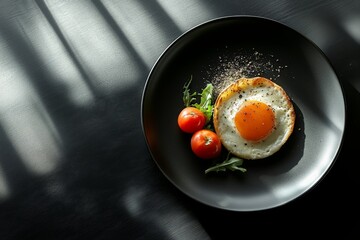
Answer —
(191, 120)
(206, 144)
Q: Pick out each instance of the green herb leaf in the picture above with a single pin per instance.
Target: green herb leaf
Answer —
(230, 163)
(206, 102)
(188, 98)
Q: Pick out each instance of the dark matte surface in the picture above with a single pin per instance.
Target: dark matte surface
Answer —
(73, 159)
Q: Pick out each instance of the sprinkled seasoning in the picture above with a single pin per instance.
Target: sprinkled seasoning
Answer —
(243, 64)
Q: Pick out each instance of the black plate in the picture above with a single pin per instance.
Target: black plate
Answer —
(221, 49)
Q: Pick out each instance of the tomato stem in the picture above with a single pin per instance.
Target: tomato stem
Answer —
(208, 140)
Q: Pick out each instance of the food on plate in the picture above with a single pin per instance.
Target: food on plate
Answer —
(206, 144)
(205, 105)
(197, 112)
(230, 163)
(253, 117)
(191, 120)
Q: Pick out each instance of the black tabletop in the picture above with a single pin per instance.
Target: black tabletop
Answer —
(74, 163)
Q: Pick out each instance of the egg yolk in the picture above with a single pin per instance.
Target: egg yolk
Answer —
(255, 120)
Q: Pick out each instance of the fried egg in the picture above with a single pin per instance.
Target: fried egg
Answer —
(253, 117)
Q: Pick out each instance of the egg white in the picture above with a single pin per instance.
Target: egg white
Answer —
(230, 101)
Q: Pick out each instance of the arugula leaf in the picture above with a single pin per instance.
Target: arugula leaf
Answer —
(230, 163)
(206, 102)
(188, 98)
